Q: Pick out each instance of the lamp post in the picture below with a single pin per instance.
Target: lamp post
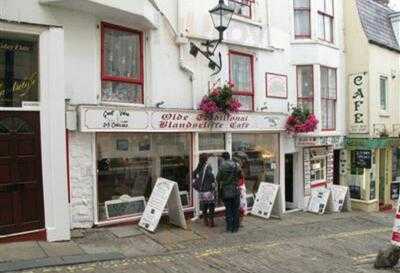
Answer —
(221, 16)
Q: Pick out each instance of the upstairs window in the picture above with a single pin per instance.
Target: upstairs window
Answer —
(305, 87)
(302, 20)
(242, 7)
(383, 86)
(325, 20)
(328, 98)
(241, 75)
(122, 64)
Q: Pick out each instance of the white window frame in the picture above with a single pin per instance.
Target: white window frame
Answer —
(315, 160)
(384, 108)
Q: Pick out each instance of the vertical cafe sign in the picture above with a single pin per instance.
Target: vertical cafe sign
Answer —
(358, 90)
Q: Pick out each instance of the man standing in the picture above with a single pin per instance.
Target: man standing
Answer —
(228, 179)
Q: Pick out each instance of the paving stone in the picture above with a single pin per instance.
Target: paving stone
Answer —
(30, 264)
(61, 249)
(21, 251)
(77, 233)
(126, 231)
(78, 259)
(140, 246)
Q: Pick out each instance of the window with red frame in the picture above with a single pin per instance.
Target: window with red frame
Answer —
(122, 64)
(302, 20)
(242, 7)
(305, 87)
(328, 98)
(241, 75)
(325, 20)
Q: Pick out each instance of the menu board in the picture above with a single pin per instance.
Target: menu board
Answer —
(319, 200)
(165, 192)
(396, 227)
(124, 206)
(339, 197)
(265, 200)
(363, 159)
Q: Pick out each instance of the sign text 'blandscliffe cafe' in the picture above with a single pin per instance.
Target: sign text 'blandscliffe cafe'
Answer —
(94, 119)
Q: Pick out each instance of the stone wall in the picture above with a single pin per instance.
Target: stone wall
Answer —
(82, 179)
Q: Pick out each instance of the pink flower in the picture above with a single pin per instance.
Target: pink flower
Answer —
(294, 125)
(208, 106)
(234, 105)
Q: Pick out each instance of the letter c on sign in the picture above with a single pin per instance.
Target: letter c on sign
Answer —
(358, 80)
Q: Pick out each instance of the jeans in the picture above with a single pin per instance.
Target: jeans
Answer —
(232, 213)
(208, 209)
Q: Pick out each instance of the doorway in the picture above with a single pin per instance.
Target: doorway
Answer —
(289, 189)
(382, 177)
(336, 167)
(21, 193)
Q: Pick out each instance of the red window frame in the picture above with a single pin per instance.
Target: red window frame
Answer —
(303, 36)
(241, 92)
(329, 99)
(331, 17)
(104, 75)
(247, 3)
(309, 98)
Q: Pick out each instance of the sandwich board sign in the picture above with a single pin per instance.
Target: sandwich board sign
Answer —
(396, 227)
(340, 198)
(319, 200)
(267, 201)
(165, 194)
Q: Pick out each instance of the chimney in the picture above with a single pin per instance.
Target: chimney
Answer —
(383, 2)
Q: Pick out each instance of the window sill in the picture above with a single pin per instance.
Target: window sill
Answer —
(105, 103)
(384, 114)
(313, 42)
(247, 21)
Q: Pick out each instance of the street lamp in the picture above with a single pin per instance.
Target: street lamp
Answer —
(221, 16)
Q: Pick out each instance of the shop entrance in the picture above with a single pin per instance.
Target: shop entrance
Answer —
(289, 178)
(336, 167)
(21, 193)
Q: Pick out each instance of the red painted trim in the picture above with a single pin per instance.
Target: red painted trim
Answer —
(243, 93)
(266, 85)
(318, 185)
(39, 235)
(68, 166)
(398, 216)
(105, 76)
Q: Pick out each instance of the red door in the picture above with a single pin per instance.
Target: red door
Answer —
(21, 193)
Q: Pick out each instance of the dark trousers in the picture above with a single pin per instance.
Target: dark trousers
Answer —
(208, 209)
(232, 213)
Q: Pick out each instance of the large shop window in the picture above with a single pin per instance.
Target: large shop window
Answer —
(129, 164)
(19, 69)
(258, 155)
(305, 87)
(122, 64)
(242, 7)
(328, 98)
(325, 20)
(302, 20)
(241, 75)
(395, 188)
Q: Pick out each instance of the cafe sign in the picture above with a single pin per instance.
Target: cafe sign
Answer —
(358, 90)
(104, 119)
(337, 142)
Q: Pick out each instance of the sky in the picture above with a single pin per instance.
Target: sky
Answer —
(395, 4)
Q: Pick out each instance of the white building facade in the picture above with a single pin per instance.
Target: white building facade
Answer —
(132, 92)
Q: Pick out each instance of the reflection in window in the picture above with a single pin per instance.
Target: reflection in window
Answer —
(129, 164)
(209, 142)
(258, 155)
(18, 69)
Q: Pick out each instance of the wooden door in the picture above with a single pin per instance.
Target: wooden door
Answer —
(21, 193)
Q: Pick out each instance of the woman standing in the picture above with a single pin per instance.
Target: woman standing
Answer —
(204, 183)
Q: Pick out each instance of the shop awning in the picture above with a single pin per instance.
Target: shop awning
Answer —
(371, 143)
(140, 13)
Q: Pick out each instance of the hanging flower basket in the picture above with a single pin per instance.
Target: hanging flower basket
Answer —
(220, 100)
(301, 121)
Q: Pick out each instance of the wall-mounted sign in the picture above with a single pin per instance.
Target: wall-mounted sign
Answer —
(358, 91)
(12, 45)
(276, 85)
(307, 141)
(105, 119)
(363, 159)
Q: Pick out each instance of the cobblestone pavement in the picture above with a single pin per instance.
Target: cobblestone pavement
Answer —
(299, 243)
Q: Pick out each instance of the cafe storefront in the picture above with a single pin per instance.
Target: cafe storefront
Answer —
(133, 147)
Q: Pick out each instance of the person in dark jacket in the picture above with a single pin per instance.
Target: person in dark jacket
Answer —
(204, 183)
(228, 179)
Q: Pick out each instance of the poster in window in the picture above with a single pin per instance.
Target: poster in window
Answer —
(276, 85)
(122, 145)
(363, 159)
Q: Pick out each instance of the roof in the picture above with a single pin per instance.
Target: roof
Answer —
(377, 24)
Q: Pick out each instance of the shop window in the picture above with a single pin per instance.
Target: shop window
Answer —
(395, 188)
(318, 170)
(122, 64)
(305, 87)
(242, 7)
(383, 86)
(325, 20)
(19, 69)
(241, 76)
(129, 164)
(328, 98)
(258, 155)
(355, 170)
(211, 142)
(302, 20)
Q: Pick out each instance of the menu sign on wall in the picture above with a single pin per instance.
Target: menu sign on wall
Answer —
(358, 90)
